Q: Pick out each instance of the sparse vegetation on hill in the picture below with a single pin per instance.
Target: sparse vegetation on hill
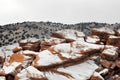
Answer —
(11, 33)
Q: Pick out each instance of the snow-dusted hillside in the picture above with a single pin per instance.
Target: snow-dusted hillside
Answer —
(11, 33)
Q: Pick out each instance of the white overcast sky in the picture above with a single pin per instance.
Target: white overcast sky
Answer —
(64, 11)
